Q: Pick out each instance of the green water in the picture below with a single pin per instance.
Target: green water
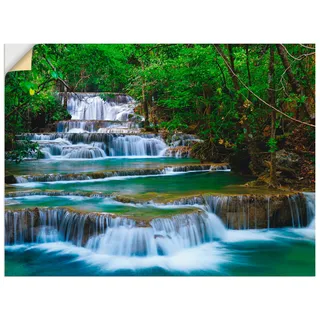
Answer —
(84, 204)
(283, 253)
(274, 252)
(147, 188)
(76, 166)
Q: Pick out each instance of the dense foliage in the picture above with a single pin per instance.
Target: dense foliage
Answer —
(223, 93)
(24, 149)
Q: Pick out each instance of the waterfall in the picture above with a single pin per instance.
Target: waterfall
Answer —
(21, 179)
(57, 224)
(132, 145)
(96, 145)
(107, 234)
(124, 241)
(100, 128)
(185, 231)
(105, 126)
(68, 126)
(90, 106)
(165, 236)
(110, 128)
(64, 148)
(52, 148)
(256, 212)
(82, 151)
(311, 211)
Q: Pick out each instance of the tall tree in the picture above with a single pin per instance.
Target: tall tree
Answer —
(272, 101)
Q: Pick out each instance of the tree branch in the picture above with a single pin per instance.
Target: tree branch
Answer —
(300, 57)
(40, 88)
(260, 99)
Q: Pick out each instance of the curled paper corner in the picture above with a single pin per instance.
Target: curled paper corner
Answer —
(25, 63)
(18, 57)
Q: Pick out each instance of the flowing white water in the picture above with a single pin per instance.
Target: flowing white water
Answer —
(311, 210)
(183, 242)
(102, 144)
(109, 122)
(84, 106)
(180, 242)
(208, 256)
(100, 128)
(136, 145)
(105, 234)
(251, 212)
(104, 126)
(309, 231)
(82, 151)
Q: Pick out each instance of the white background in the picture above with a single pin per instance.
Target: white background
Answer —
(150, 297)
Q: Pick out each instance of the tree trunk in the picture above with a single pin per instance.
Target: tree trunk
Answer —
(248, 70)
(232, 70)
(292, 80)
(251, 143)
(272, 101)
(144, 100)
(240, 99)
(65, 98)
(295, 85)
(145, 107)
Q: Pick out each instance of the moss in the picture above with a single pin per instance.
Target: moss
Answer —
(153, 170)
(143, 218)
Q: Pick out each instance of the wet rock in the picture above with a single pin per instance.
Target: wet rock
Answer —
(287, 159)
(10, 179)
(26, 225)
(260, 211)
(182, 140)
(178, 152)
(108, 174)
(20, 225)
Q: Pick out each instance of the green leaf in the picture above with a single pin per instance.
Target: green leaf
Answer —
(272, 143)
(54, 74)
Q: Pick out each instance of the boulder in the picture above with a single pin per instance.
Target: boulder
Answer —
(178, 152)
(287, 159)
(10, 179)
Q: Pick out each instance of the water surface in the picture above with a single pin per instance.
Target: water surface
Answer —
(87, 204)
(78, 165)
(281, 252)
(148, 187)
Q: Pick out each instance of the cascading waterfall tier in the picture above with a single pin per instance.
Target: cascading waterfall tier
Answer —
(104, 125)
(236, 212)
(97, 145)
(255, 211)
(108, 234)
(74, 126)
(311, 210)
(97, 106)
(99, 112)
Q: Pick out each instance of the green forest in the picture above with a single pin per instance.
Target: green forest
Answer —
(252, 105)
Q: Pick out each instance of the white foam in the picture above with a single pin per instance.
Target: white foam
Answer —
(210, 256)
(247, 235)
